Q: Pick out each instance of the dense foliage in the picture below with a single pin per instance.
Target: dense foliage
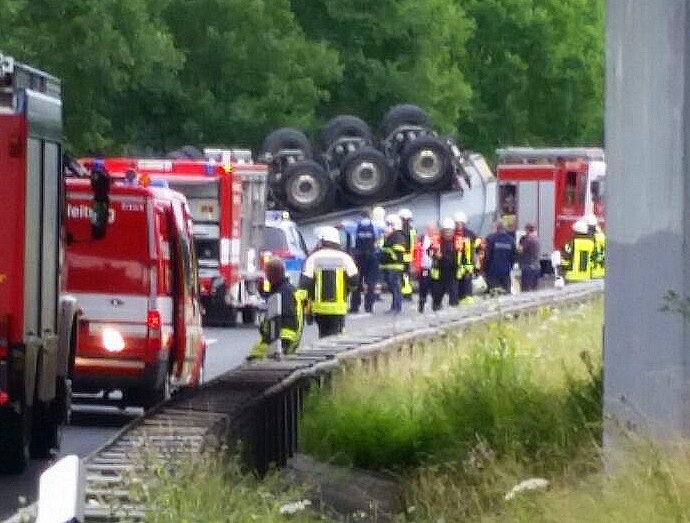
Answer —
(150, 75)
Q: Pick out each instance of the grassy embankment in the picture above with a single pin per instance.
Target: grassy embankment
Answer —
(470, 417)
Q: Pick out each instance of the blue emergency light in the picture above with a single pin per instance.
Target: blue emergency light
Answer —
(162, 184)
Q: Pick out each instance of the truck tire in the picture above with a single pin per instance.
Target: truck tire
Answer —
(426, 163)
(366, 176)
(308, 190)
(345, 125)
(287, 138)
(14, 441)
(403, 114)
(151, 397)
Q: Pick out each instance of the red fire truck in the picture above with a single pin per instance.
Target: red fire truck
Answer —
(140, 328)
(37, 322)
(228, 203)
(551, 188)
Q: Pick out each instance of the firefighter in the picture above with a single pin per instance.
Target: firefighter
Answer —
(444, 266)
(501, 254)
(423, 260)
(578, 254)
(410, 235)
(392, 260)
(599, 248)
(329, 274)
(466, 244)
(291, 311)
(366, 237)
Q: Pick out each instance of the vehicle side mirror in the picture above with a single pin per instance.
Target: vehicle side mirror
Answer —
(100, 184)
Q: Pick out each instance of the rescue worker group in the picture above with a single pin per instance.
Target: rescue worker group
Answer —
(354, 264)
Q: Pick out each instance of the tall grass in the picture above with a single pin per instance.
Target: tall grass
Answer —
(528, 390)
(212, 488)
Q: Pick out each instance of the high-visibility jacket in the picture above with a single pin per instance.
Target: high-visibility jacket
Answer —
(328, 275)
(577, 258)
(291, 322)
(410, 237)
(599, 255)
(393, 251)
(466, 243)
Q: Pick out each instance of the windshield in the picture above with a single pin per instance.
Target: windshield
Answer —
(207, 250)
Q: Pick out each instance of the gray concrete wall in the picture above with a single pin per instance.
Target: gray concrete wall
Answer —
(647, 352)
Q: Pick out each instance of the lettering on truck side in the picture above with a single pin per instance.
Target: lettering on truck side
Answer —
(84, 211)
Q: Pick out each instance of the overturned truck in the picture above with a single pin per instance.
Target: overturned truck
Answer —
(349, 167)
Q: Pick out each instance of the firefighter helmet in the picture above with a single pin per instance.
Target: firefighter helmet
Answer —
(405, 214)
(591, 220)
(329, 234)
(378, 214)
(394, 221)
(448, 223)
(580, 227)
(460, 217)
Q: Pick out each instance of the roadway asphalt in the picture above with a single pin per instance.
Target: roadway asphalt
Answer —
(93, 426)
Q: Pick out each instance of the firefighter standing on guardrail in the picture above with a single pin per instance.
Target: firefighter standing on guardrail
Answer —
(291, 312)
(329, 274)
(410, 235)
(444, 267)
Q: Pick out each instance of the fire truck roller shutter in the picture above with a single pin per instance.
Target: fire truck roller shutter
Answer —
(366, 177)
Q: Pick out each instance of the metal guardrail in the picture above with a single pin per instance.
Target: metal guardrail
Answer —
(260, 403)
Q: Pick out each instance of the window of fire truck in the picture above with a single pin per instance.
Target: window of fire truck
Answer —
(117, 263)
(598, 189)
(575, 188)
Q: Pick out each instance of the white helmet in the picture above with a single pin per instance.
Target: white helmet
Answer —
(448, 223)
(378, 214)
(580, 227)
(460, 217)
(329, 234)
(394, 221)
(591, 219)
(405, 214)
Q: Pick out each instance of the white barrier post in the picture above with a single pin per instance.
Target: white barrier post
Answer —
(61, 492)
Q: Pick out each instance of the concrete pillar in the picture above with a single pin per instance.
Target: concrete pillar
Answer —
(647, 351)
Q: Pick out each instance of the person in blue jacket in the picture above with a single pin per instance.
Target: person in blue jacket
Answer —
(365, 253)
(501, 254)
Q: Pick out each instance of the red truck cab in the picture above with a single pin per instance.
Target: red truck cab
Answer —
(140, 329)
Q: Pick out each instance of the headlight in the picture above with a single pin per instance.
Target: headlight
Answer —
(113, 340)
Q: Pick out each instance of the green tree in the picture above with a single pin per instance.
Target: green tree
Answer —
(110, 54)
(249, 69)
(536, 70)
(393, 51)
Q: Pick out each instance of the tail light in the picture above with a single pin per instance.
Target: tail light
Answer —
(153, 322)
(282, 253)
(4, 359)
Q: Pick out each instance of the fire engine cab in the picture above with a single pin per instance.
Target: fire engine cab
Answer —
(227, 201)
(140, 330)
(551, 188)
(37, 322)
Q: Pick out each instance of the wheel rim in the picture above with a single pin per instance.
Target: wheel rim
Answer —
(365, 178)
(425, 166)
(304, 189)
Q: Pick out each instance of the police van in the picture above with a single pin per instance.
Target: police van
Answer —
(282, 239)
